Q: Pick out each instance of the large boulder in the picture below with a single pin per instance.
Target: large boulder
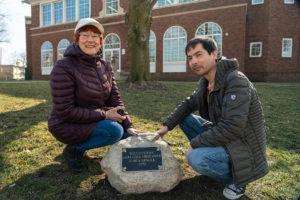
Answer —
(136, 178)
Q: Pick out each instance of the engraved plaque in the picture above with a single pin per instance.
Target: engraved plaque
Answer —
(141, 159)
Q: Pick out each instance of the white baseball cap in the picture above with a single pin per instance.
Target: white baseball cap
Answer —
(89, 21)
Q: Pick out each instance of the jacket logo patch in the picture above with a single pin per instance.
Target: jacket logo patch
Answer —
(233, 97)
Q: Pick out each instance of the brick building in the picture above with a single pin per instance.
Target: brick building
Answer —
(262, 34)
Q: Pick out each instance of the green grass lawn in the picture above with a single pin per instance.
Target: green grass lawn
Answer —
(31, 165)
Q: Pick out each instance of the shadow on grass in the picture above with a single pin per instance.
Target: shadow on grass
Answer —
(57, 182)
(54, 181)
(15, 125)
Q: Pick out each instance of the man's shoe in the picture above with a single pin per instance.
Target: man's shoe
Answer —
(74, 159)
(231, 192)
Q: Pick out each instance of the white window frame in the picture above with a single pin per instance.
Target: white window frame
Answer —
(291, 49)
(260, 52)
(254, 3)
(174, 66)
(289, 2)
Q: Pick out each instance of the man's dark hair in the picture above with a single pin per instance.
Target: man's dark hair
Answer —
(208, 44)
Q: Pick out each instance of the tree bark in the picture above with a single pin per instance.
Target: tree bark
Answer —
(138, 19)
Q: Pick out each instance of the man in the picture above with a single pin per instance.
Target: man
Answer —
(228, 139)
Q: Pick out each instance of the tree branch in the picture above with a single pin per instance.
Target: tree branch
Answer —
(152, 3)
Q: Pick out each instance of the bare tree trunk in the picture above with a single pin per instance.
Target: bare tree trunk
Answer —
(138, 19)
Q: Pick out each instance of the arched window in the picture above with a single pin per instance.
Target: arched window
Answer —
(174, 50)
(112, 46)
(212, 30)
(152, 51)
(61, 48)
(46, 58)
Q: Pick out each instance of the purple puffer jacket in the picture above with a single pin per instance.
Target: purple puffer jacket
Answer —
(82, 88)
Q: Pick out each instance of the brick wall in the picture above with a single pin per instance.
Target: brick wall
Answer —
(269, 23)
(240, 21)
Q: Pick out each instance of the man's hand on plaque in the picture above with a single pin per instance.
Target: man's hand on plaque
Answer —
(163, 131)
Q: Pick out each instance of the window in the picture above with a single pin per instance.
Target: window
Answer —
(84, 9)
(257, 2)
(70, 10)
(58, 12)
(112, 46)
(287, 46)
(289, 1)
(152, 51)
(47, 15)
(184, 1)
(61, 48)
(46, 58)
(255, 49)
(174, 50)
(111, 7)
(212, 30)
(161, 3)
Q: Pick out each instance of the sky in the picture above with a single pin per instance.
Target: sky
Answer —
(16, 11)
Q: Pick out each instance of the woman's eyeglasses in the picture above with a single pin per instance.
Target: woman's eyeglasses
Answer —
(86, 36)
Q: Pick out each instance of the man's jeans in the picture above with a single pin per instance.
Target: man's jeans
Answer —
(210, 161)
(106, 132)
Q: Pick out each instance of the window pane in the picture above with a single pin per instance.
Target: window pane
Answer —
(183, 1)
(255, 49)
(47, 15)
(174, 44)
(47, 54)
(70, 10)
(214, 31)
(257, 1)
(84, 9)
(287, 48)
(111, 42)
(111, 7)
(152, 47)
(61, 48)
(58, 12)
(289, 1)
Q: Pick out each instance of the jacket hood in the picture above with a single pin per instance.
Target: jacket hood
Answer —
(223, 66)
(73, 50)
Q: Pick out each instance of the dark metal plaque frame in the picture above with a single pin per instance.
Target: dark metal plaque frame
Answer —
(141, 159)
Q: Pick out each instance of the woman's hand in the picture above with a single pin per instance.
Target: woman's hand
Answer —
(113, 115)
(134, 132)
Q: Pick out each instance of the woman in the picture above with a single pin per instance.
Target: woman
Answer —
(86, 100)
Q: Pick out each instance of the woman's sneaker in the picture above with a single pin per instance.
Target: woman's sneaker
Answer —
(231, 192)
